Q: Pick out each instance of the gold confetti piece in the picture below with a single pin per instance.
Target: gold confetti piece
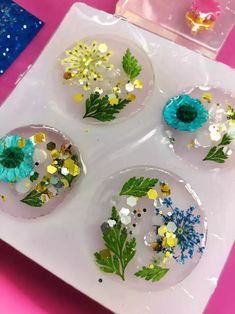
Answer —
(4, 198)
(39, 138)
(69, 164)
(55, 154)
(40, 188)
(165, 188)
(65, 183)
(113, 101)
(191, 144)
(50, 195)
(51, 169)
(21, 142)
(76, 171)
(131, 97)
(207, 96)
(162, 230)
(78, 97)
(138, 84)
(152, 194)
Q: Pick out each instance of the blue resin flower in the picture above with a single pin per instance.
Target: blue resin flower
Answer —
(16, 158)
(185, 113)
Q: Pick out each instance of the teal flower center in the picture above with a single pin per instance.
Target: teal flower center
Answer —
(186, 113)
(12, 157)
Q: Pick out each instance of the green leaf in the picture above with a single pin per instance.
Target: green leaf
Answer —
(138, 187)
(130, 65)
(216, 154)
(34, 177)
(33, 199)
(119, 250)
(226, 140)
(153, 274)
(115, 215)
(100, 108)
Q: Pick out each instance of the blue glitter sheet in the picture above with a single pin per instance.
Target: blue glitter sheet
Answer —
(17, 28)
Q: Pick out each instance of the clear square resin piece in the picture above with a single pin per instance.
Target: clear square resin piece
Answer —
(201, 25)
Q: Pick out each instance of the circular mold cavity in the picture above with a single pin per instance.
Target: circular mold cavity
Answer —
(212, 145)
(146, 219)
(111, 83)
(54, 166)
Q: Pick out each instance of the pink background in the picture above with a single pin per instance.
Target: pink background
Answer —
(26, 287)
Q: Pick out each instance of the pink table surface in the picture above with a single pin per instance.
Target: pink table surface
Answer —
(27, 288)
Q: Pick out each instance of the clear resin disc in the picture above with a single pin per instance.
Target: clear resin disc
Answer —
(39, 166)
(211, 145)
(165, 228)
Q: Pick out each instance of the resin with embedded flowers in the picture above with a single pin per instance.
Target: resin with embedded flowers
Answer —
(172, 236)
(35, 170)
(105, 81)
(207, 118)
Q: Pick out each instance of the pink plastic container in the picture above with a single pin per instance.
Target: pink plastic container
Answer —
(167, 18)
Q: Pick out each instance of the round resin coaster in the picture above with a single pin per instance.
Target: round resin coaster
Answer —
(38, 167)
(107, 77)
(200, 126)
(152, 230)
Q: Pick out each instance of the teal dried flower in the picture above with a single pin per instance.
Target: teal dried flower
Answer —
(16, 158)
(185, 113)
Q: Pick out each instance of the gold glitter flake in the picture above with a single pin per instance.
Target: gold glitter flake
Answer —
(138, 84)
(21, 142)
(65, 183)
(74, 169)
(39, 138)
(78, 97)
(51, 169)
(4, 198)
(165, 188)
(191, 144)
(131, 97)
(207, 97)
(55, 154)
(40, 188)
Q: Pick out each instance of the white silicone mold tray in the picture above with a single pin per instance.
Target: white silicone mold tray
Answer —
(60, 241)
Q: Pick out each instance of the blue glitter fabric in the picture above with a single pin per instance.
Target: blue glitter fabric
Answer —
(17, 28)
